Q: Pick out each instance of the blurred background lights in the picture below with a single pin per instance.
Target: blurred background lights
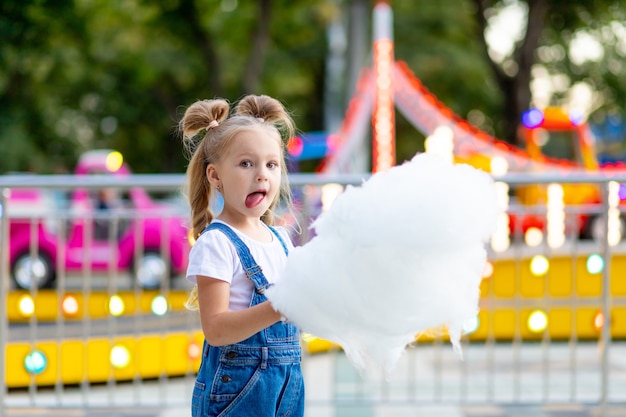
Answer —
(499, 166)
(488, 271)
(295, 146)
(576, 117)
(120, 356)
(159, 305)
(441, 143)
(116, 305)
(330, 191)
(26, 305)
(228, 5)
(501, 238)
(35, 362)
(595, 263)
(532, 118)
(621, 193)
(308, 337)
(194, 351)
(614, 221)
(598, 321)
(69, 306)
(191, 238)
(533, 236)
(471, 325)
(114, 161)
(537, 321)
(539, 265)
(555, 216)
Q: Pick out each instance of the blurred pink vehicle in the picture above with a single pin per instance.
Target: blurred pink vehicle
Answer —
(136, 234)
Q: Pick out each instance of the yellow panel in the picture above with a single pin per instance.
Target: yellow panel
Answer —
(50, 374)
(73, 361)
(588, 284)
(98, 305)
(618, 327)
(584, 322)
(13, 311)
(47, 305)
(430, 335)
(476, 160)
(525, 332)
(98, 360)
(503, 323)
(583, 276)
(130, 302)
(531, 194)
(483, 326)
(16, 375)
(531, 285)
(560, 323)
(177, 300)
(150, 356)
(485, 287)
(198, 337)
(503, 279)
(575, 194)
(129, 371)
(315, 345)
(80, 301)
(618, 272)
(145, 300)
(177, 354)
(560, 277)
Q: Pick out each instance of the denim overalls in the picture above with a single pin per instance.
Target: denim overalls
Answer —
(260, 376)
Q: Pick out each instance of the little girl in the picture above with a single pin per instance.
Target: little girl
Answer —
(251, 356)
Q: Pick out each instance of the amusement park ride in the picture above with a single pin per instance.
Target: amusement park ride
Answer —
(151, 233)
(555, 142)
(516, 289)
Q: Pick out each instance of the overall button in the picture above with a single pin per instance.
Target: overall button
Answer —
(226, 378)
(231, 354)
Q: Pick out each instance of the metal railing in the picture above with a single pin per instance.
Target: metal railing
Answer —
(504, 361)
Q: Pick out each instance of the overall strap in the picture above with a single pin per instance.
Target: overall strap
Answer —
(280, 239)
(252, 269)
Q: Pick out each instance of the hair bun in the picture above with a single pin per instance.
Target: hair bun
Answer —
(203, 114)
(266, 110)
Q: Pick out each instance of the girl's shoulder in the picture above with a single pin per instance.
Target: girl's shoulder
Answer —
(213, 237)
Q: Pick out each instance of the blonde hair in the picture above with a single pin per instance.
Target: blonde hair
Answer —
(208, 128)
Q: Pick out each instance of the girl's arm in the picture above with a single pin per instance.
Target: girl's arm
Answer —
(222, 327)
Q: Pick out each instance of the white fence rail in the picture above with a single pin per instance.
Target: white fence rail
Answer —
(579, 357)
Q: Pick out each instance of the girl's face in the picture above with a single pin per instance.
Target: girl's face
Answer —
(249, 173)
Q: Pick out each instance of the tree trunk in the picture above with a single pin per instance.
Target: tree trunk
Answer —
(190, 14)
(515, 88)
(260, 38)
(525, 56)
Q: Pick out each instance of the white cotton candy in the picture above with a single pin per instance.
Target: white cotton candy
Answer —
(400, 254)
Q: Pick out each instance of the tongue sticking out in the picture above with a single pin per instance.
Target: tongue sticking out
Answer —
(254, 199)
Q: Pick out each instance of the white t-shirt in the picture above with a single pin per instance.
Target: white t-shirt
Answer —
(214, 255)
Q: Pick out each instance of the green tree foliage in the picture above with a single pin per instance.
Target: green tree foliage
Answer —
(84, 74)
(551, 24)
(444, 43)
(438, 42)
(39, 61)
